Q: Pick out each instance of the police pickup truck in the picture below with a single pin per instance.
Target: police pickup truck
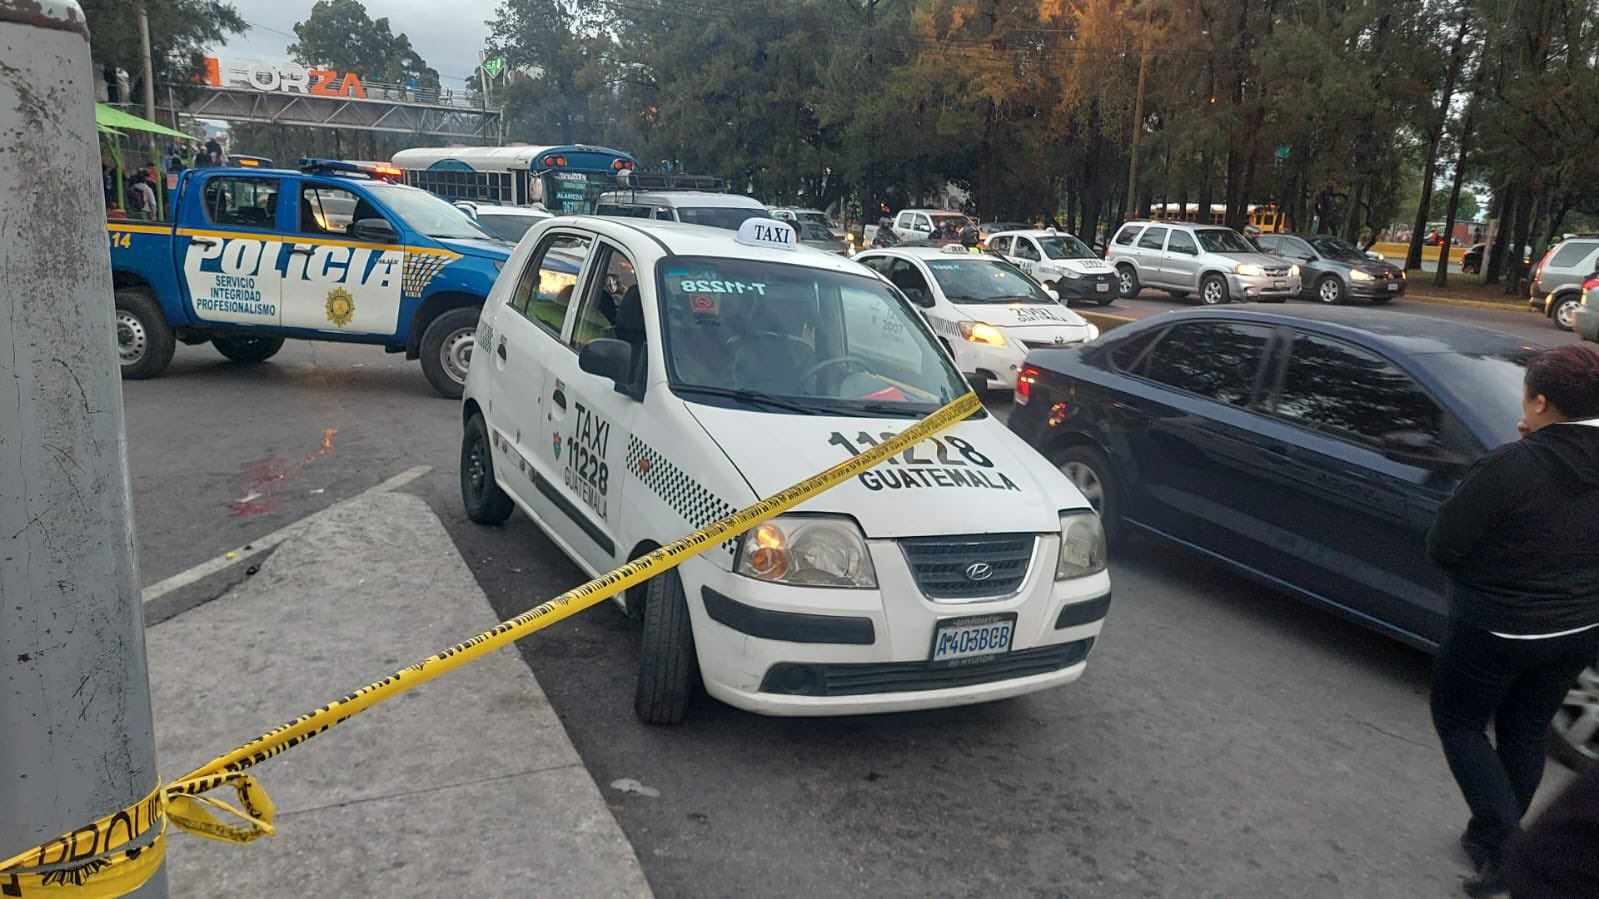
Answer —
(333, 251)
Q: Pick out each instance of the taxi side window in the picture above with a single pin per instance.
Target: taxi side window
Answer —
(242, 202)
(1025, 249)
(545, 288)
(903, 274)
(877, 264)
(1000, 245)
(604, 297)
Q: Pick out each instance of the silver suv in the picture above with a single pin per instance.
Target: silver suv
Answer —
(1556, 286)
(1215, 262)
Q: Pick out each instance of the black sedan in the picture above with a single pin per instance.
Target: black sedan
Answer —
(1308, 449)
(1334, 270)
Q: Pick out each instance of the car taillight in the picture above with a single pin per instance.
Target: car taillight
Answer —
(1537, 270)
(1025, 379)
(1590, 290)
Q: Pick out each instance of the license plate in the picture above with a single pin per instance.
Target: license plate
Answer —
(1102, 288)
(972, 639)
(1279, 285)
(1393, 287)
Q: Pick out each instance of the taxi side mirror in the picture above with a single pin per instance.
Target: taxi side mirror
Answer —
(608, 358)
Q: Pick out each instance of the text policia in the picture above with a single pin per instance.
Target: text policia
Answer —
(95, 861)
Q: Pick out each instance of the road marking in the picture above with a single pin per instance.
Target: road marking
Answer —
(262, 544)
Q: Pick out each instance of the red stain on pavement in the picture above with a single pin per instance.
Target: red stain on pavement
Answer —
(260, 477)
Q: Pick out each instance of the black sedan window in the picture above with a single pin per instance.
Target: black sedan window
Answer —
(1216, 360)
(1354, 394)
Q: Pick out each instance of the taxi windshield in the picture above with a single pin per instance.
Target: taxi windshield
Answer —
(1065, 246)
(977, 280)
(426, 213)
(788, 338)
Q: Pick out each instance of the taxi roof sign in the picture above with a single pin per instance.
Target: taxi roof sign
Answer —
(769, 233)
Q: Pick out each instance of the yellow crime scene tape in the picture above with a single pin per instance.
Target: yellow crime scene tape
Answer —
(98, 860)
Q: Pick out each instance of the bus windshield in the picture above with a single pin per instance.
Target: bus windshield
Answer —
(789, 338)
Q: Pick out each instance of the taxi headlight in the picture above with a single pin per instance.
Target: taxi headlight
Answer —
(981, 332)
(1356, 274)
(1249, 269)
(1082, 545)
(1093, 331)
(807, 551)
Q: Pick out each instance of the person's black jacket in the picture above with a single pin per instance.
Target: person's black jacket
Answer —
(1519, 540)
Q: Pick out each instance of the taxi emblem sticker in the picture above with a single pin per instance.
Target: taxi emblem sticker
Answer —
(557, 443)
(340, 306)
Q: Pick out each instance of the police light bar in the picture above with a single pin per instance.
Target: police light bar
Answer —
(769, 233)
(632, 179)
(380, 172)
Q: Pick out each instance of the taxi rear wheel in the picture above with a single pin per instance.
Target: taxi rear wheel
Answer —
(145, 341)
(485, 502)
(248, 349)
(668, 668)
(447, 350)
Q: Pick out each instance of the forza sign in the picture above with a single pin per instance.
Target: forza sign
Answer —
(284, 78)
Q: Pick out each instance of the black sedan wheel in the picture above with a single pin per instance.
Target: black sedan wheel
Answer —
(1089, 471)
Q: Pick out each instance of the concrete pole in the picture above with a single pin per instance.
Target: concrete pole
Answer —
(76, 741)
(149, 102)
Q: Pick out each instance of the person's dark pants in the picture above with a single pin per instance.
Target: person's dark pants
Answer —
(1518, 685)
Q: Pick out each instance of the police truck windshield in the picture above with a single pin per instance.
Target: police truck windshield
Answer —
(427, 213)
(978, 280)
(787, 338)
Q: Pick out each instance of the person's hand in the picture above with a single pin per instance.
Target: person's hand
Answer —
(1522, 428)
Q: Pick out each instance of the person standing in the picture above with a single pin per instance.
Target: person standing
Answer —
(144, 195)
(1517, 544)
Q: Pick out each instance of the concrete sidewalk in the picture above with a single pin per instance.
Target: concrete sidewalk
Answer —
(466, 786)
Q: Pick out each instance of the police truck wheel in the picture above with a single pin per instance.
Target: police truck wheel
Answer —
(248, 349)
(1127, 281)
(447, 350)
(144, 339)
(1213, 290)
(1089, 471)
(485, 502)
(668, 669)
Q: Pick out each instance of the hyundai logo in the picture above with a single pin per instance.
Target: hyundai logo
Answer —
(979, 571)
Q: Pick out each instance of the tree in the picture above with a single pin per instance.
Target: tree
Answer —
(340, 34)
(179, 31)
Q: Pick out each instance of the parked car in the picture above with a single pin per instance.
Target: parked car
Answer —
(1471, 260)
(926, 224)
(1180, 258)
(1556, 286)
(818, 237)
(989, 229)
(1586, 320)
(1227, 431)
(1333, 270)
(332, 251)
(797, 216)
(1060, 261)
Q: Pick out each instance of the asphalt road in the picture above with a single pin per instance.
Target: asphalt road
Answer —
(1513, 319)
(1225, 741)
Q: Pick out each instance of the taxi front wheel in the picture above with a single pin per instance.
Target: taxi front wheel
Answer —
(145, 341)
(668, 668)
(485, 502)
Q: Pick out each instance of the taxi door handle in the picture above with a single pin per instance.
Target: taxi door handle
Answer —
(501, 349)
(204, 241)
(559, 397)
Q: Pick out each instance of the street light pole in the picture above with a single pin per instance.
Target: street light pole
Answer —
(75, 723)
(1138, 129)
(149, 93)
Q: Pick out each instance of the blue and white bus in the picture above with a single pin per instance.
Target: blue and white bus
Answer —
(560, 179)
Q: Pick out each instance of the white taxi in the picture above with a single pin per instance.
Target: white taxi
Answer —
(985, 312)
(687, 372)
(1062, 262)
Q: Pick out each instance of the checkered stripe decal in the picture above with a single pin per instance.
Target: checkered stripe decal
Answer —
(421, 267)
(684, 495)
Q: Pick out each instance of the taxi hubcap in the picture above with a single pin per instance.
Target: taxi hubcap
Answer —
(1577, 722)
(131, 338)
(456, 354)
(1086, 481)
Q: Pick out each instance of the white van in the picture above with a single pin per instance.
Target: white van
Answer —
(985, 311)
(690, 372)
(691, 199)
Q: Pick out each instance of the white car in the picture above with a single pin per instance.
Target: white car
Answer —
(984, 310)
(508, 223)
(694, 371)
(1062, 262)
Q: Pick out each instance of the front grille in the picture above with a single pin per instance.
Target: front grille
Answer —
(1045, 344)
(943, 566)
(1277, 272)
(796, 679)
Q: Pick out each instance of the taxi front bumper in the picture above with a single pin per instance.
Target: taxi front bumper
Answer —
(999, 365)
(783, 650)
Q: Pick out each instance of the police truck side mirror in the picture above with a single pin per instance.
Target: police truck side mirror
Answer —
(608, 358)
(373, 229)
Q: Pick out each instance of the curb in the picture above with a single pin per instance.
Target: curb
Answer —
(1508, 306)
